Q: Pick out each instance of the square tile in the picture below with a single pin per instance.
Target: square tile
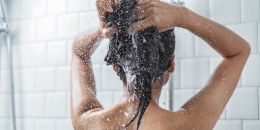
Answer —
(184, 41)
(46, 28)
(45, 124)
(55, 7)
(251, 124)
(228, 125)
(250, 10)
(57, 53)
(243, 104)
(56, 105)
(194, 72)
(78, 5)
(225, 11)
(68, 26)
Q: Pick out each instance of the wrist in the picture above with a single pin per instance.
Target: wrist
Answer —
(99, 33)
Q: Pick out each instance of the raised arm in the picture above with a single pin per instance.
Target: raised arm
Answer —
(210, 102)
(83, 85)
(207, 106)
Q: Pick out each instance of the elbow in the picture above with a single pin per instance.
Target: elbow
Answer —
(247, 49)
(75, 47)
(78, 49)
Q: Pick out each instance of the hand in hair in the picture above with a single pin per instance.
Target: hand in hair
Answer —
(104, 6)
(158, 14)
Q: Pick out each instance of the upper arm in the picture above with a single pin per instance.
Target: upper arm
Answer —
(83, 90)
(209, 103)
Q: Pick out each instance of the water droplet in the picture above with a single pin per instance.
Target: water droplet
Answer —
(126, 114)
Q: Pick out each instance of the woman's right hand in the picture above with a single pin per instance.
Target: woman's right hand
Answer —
(104, 6)
(158, 14)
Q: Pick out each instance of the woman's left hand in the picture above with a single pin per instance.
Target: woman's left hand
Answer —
(158, 14)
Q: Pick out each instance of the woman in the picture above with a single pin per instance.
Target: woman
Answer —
(201, 112)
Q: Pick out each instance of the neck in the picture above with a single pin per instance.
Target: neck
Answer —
(156, 92)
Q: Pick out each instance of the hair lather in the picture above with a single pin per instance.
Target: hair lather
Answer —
(139, 57)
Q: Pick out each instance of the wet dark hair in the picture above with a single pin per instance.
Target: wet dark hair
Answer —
(139, 57)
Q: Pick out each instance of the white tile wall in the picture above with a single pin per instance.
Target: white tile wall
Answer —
(43, 32)
(175, 76)
(87, 20)
(5, 81)
(64, 124)
(5, 124)
(26, 30)
(35, 8)
(63, 79)
(24, 80)
(29, 55)
(46, 79)
(67, 25)
(194, 72)
(247, 100)
(228, 125)
(164, 99)
(250, 10)
(259, 36)
(25, 124)
(30, 105)
(78, 5)
(5, 112)
(4, 55)
(110, 80)
(56, 105)
(46, 28)
(251, 125)
(225, 11)
(45, 124)
(184, 46)
(55, 7)
(56, 53)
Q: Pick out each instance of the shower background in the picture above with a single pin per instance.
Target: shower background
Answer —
(42, 34)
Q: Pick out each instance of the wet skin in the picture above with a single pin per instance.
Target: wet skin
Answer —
(201, 112)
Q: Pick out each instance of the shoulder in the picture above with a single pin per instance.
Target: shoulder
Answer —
(183, 119)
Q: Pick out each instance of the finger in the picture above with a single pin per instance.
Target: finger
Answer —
(142, 11)
(104, 5)
(142, 24)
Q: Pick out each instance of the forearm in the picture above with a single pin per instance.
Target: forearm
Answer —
(223, 40)
(85, 45)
